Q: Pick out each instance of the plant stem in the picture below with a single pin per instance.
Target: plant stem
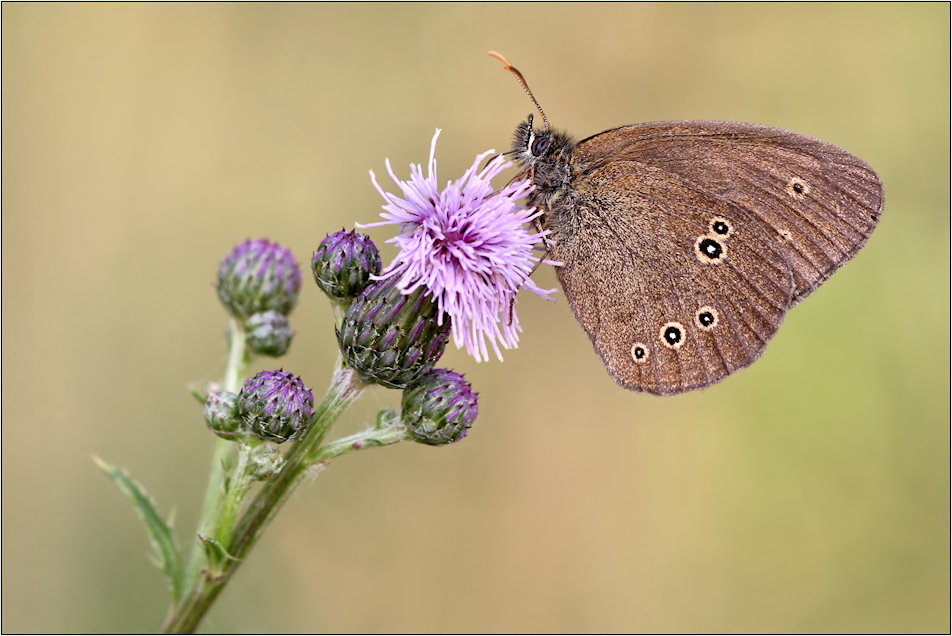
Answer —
(345, 388)
(371, 438)
(239, 481)
(207, 525)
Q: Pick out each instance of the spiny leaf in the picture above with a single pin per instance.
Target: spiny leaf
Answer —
(160, 532)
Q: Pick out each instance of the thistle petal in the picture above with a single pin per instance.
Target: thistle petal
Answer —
(469, 246)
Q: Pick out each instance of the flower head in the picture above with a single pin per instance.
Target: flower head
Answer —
(258, 275)
(468, 246)
(268, 333)
(391, 338)
(275, 406)
(343, 264)
(439, 409)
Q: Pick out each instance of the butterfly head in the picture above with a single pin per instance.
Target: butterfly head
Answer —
(543, 154)
(531, 146)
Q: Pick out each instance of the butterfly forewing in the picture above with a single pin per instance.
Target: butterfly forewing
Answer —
(818, 202)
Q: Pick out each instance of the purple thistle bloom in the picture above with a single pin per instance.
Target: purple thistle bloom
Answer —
(467, 245)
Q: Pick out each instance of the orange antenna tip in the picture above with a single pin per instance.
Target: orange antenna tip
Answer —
(501, 59)
(522, 82)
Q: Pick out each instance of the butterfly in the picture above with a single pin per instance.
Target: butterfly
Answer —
(684, 243)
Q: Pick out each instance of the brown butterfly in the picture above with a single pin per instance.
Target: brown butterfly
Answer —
(684, 243)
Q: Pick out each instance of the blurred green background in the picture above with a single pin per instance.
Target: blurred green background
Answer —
(140, 142)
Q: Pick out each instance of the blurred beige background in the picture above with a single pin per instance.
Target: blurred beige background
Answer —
(140, 142)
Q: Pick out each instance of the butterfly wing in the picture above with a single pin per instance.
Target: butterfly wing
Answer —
(676, 287)
(819, 203)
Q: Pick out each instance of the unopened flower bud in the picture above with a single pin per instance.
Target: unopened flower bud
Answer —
(391, 338)
(221, 414)
(265, 463)
(343, 264)
(256, 276)
(275, 406)
(440, 408)
(268, 333)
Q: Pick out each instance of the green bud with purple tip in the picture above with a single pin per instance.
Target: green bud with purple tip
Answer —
(275, 406)
(268, 333)
(440, 408)
(391, 338)
(258, 275)
(343, 264)
(221, 414)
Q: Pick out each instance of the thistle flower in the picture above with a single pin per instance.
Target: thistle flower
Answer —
(468, 246)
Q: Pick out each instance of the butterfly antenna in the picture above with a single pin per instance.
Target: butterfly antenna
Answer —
(522, 82)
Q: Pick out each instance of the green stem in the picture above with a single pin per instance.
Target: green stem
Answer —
(207, 525)
(345, 388)
(339, 308)
(371, 438)
(239, 481)
(237, 358)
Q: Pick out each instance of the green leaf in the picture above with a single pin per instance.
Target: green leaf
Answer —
(160, 532)
(215, 556)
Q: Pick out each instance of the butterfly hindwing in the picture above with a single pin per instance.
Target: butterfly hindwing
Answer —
(676, 287)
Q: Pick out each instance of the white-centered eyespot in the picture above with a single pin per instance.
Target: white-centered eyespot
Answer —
(672, 335)
(639, 353)
(706, 318)
(721, 226)
(709, 249)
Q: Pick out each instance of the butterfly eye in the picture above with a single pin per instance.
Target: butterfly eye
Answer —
(540, 145)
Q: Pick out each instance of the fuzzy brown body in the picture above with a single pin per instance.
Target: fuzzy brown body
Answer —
(685, 243)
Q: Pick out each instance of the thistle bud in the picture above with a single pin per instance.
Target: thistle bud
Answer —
(343, 264)
(256, 276)
(268, 333)
(391, 338)
(440, 408)
(265, 463)
(221, 414)
(275, 406)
